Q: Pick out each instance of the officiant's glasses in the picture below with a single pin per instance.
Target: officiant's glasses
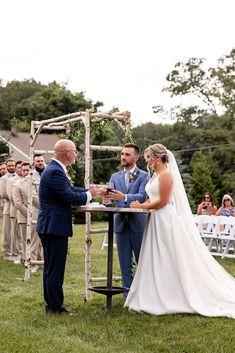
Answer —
(74, 151)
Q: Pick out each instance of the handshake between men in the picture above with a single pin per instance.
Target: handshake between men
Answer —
(112, 194)
(95, 191)
(108, 194)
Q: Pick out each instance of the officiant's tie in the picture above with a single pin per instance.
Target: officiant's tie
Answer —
(127, 178)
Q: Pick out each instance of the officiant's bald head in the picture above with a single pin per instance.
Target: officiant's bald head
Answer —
(65, 151)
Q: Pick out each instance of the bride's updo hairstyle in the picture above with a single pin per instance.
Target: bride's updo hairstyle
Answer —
(158, 150)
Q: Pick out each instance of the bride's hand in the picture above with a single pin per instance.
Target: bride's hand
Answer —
(135, 204)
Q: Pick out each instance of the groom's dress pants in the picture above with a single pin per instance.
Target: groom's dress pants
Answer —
(128, 243)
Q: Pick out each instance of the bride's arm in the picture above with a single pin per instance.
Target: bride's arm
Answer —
(165, 188)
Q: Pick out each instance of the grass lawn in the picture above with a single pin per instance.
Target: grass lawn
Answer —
(25, 328)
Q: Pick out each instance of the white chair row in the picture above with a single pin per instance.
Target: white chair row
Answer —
(218, 233)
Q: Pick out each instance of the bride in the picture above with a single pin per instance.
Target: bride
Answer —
(176, 273)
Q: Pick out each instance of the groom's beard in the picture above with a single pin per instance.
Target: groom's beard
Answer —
(125, 164)
(129, 163)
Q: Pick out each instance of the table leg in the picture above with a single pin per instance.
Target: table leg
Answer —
(110, 261)
(109, 290)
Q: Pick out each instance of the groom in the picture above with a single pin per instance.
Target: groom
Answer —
(129, 185)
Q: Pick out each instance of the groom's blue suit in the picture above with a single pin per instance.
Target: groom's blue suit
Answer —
(129, 227)
(54, 226)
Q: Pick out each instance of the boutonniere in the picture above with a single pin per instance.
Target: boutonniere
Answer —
(133, 175)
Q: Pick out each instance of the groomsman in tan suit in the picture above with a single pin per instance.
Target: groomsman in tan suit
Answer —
(20, 195)
(6, 241)
(38, 168)
(16, 247)
(3, 171)
(38, 165)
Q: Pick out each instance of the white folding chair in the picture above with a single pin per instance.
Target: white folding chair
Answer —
(226, 234)
(207, 229)
(105, 242)
(197, 218)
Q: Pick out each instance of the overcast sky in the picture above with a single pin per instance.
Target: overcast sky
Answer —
(118, 52)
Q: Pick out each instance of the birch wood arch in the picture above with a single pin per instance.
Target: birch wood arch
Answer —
(62, 123)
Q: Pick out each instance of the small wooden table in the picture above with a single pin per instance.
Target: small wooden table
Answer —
(109, 290)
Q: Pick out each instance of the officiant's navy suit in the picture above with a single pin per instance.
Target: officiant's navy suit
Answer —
(129, 227)
(54, 226)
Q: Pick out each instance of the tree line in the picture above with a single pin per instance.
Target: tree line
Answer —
(202, 133)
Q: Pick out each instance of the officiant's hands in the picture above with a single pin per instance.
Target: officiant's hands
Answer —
(97, 191)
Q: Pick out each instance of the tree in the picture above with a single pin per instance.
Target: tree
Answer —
(12, 95)
(213, 89)
(4, 151)
(207, 125)
(205, 177)
(30, 100)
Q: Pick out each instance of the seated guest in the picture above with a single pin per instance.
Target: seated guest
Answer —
(227, 208)
(207, 207)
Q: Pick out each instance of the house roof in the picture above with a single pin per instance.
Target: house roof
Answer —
(19, 144)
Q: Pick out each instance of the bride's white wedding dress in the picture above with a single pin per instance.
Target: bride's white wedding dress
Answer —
(176, 273)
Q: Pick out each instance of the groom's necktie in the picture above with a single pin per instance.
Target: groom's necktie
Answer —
(127, 178)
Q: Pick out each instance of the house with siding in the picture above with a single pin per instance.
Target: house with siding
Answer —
(18, 143)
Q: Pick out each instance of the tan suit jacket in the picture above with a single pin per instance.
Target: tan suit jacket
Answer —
(36, 180)
(1, 205)
(3, 193)
(1, 200)
(20, 196)
(10, 185)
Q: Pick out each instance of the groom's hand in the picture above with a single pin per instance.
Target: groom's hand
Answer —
(117, 195)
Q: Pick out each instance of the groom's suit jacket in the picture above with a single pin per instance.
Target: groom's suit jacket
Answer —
(56, 196)
(134, 192)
